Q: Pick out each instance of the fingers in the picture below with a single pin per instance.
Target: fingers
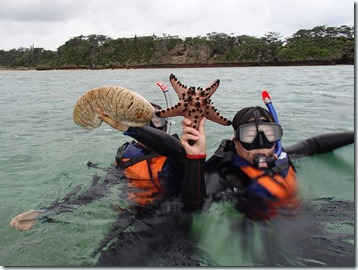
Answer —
(104, 117)
(26, 220)
(25, 225)
(186, 122)
(188, 133)
(192, 135)
(101, 114)
(186, 137)
(187, 129)
(114, 124)
(202, 138)
(202, 126)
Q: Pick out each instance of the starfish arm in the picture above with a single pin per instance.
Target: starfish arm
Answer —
(178, 87)
(175, 110)
(213, 115)
(194, 103)
(210, 89)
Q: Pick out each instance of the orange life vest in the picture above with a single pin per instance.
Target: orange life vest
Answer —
(143, 179)
(283, 188)
(280, 187)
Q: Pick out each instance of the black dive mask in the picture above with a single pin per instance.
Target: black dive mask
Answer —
(158, 122)
(262, 135)
(260, 142)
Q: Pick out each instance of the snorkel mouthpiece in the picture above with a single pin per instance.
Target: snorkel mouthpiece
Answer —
(263, 162)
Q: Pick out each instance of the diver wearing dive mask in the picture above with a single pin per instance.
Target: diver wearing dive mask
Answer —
(158, 122)
(256, 135)
(259, 135)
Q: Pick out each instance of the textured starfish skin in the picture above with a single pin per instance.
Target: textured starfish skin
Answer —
(194, 103)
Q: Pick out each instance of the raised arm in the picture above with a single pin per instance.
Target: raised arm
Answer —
(320, 144)
(157, 140)
(193, 192)
(193, 156)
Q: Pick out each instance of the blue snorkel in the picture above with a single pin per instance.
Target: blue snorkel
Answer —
(260, 160)
(267, 100)
(164, 88)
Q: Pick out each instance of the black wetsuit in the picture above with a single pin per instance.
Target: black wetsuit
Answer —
(320, 144)
(225, 175)
(164, 229)
(193, 189)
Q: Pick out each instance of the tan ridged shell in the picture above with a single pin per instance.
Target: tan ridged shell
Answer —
(121, 104)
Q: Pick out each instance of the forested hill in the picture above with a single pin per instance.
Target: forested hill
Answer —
(320, 45)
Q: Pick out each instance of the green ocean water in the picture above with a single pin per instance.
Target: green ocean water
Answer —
(44, 156)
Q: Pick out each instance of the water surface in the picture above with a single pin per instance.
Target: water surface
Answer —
(44, 156)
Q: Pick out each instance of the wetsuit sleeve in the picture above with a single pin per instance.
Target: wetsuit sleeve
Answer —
(193, 191)
(320, 144)
(159, 142)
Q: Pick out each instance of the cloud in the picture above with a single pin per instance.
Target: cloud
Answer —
(50, 23)
(291, 16)
(39, 10)
(185, 17)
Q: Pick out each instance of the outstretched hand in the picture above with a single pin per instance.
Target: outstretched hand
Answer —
(196, 136)
(114, 124)
(27, 220)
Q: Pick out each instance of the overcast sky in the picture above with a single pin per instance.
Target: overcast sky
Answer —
(49, 24)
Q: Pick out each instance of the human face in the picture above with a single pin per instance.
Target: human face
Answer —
(158, 123)
(247, 133)
(261, 135)
(249, 154)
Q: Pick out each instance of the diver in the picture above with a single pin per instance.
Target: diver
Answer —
(147, 176)
(150, 213)
(252, 168)
(246, 167)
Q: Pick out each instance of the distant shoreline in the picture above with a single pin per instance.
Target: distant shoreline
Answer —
(195, 65)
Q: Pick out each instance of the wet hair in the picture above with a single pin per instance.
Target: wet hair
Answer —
(155, 106)
(246, 115)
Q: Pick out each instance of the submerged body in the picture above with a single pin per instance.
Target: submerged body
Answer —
(260, 192)
(162, 233)
(149, 175)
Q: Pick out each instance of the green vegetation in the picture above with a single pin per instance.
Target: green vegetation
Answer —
(320, 45)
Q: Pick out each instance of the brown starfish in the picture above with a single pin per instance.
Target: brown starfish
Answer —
(194, 103)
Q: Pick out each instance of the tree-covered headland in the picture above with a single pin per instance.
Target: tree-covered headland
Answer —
(319, 45)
